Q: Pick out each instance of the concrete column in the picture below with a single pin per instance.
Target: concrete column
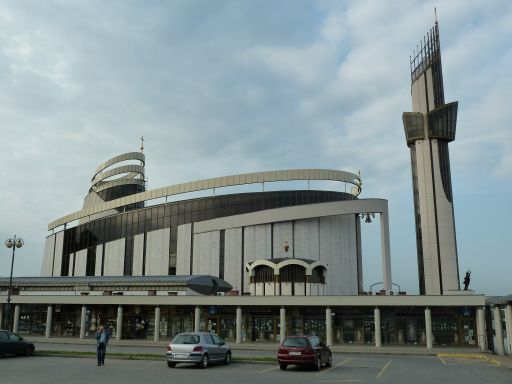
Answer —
(119, 323)
(197, 319)
(16, 318)
(239, 325)
(82, 321)
(480, 329)
(386, 253)
(428, 327)
(378, 336)
(157, 324)
(499, 347)
(508, 325)
(282, 322)
(49, 315)
(328, 326)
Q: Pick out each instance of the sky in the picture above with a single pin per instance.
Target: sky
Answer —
(227, 87)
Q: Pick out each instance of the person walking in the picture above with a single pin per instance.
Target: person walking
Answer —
(101, 344)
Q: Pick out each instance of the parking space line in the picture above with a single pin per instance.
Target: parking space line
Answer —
(384, 369)
(334, 366)
(465, 358)
(463, 355)
(268, 370)
(492, 361)
(340, 381)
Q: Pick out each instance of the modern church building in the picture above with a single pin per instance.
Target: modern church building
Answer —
(231, 236)
(257, 256)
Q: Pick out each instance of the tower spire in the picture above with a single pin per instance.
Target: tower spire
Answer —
(142, 144)
(428, 130)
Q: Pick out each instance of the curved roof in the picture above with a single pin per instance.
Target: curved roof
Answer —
(278, 263)
(278, 260)
(218, 182)
(131, 173)
(117, 159)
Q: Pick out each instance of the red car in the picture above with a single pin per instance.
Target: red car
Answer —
(304, 350)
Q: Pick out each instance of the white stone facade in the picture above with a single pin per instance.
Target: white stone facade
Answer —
(327, 232)
(114, 258)
(438, 240)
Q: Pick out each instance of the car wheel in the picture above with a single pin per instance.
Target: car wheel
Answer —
(29, 351)
(329, 361)
(283, 367)
(204, 361)
(227, 359)
(171, 365)
(318, 364)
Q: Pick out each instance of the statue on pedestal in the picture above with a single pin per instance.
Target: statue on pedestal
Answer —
(467, 279)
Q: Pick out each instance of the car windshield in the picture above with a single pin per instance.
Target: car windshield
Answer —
(296, 342)
(186, 339)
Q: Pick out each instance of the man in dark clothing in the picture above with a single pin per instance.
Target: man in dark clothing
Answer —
(101, 344)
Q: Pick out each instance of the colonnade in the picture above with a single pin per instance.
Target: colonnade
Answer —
(499, 340)
(480, 325)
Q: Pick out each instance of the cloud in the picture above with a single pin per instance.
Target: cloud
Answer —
(234, 87)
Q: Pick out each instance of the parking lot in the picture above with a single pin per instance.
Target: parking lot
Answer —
(347, 368)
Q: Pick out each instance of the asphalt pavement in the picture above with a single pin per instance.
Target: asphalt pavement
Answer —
(357, 368)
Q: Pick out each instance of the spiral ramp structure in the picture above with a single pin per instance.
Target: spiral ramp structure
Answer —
(118, 177)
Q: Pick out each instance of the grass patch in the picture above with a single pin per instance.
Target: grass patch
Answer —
(142, 356)
(114, 355)
(263, 359)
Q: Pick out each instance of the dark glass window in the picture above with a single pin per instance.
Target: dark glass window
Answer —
(318, 275)
(91, 261)
(144, 255)
(64, 270)
(183, 212)
(128, 256)
(293, 273)
(444, 164)
(221, 253)
(417, 218)
(263, 274)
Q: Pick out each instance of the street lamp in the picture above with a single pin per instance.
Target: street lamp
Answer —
(11, 243)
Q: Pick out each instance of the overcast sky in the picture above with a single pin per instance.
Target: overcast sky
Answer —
(226, 87)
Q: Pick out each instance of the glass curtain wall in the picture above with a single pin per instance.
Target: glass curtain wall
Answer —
(66, 320)
(403, 325)
(138, 322)
(261, 324)
(221, 321)
(353, 325)
(170, 215)
(453, 326)
(97, 315)
(314, 322)
(32, 320)
(174, 320)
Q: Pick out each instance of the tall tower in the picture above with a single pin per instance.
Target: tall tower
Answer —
(428, 130)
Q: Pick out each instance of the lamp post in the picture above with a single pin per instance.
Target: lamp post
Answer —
(11, 243)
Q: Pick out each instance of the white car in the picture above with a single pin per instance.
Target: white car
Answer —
(201, 348)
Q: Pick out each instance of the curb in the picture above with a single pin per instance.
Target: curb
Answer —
(494, 360)
(78, 355)
(273, 348)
